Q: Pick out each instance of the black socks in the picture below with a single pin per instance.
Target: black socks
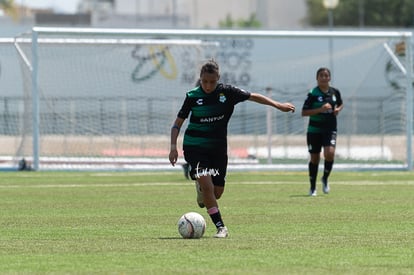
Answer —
(313, 173)
(327, 169)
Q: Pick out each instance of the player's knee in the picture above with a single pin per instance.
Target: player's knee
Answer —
(218, 191)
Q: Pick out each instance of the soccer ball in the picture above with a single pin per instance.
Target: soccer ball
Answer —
(191, 225)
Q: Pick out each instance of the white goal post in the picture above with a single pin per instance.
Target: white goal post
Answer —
(272, 71)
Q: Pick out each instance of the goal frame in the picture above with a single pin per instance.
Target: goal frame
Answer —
(191, 34)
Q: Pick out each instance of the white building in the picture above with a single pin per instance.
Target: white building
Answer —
(195, 14)
(272, 14)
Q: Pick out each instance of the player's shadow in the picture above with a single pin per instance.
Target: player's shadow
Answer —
(180, 238)
(299, 196)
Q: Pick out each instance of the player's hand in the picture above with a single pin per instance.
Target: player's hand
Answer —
(173, 156)
(287, 107)
(326, 108)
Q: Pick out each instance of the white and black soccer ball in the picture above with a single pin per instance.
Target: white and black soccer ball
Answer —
(191, 225)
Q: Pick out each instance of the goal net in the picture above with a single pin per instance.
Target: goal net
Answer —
(106, 99)
(103, 101)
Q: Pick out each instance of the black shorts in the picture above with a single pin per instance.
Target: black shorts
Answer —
(207, 162)
(316, 141)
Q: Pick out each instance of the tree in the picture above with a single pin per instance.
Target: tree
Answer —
(370, 13)
(251, 22)
(9, 8)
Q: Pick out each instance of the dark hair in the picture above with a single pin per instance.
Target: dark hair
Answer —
(210, 67)
(198, 83)
(321, 70)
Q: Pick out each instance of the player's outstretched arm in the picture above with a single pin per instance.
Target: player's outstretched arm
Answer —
(284, 107)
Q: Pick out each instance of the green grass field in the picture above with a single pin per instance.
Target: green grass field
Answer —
(125, 223)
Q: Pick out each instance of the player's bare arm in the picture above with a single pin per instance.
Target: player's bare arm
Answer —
(323, 109)
(284, 107)
(175, 131)
(338, 109)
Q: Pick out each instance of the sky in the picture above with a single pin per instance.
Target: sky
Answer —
(63, 6)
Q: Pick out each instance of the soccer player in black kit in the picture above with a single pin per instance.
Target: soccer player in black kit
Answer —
(210, 106)
(322, 105)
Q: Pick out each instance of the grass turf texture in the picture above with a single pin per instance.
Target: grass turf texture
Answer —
(125, 223)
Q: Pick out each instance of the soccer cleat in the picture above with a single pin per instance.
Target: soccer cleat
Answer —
(312, 193)
(199, 195)
(325, 186)
(222, 232)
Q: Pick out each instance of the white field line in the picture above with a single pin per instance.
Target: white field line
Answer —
(103, 185)
(63, 185)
